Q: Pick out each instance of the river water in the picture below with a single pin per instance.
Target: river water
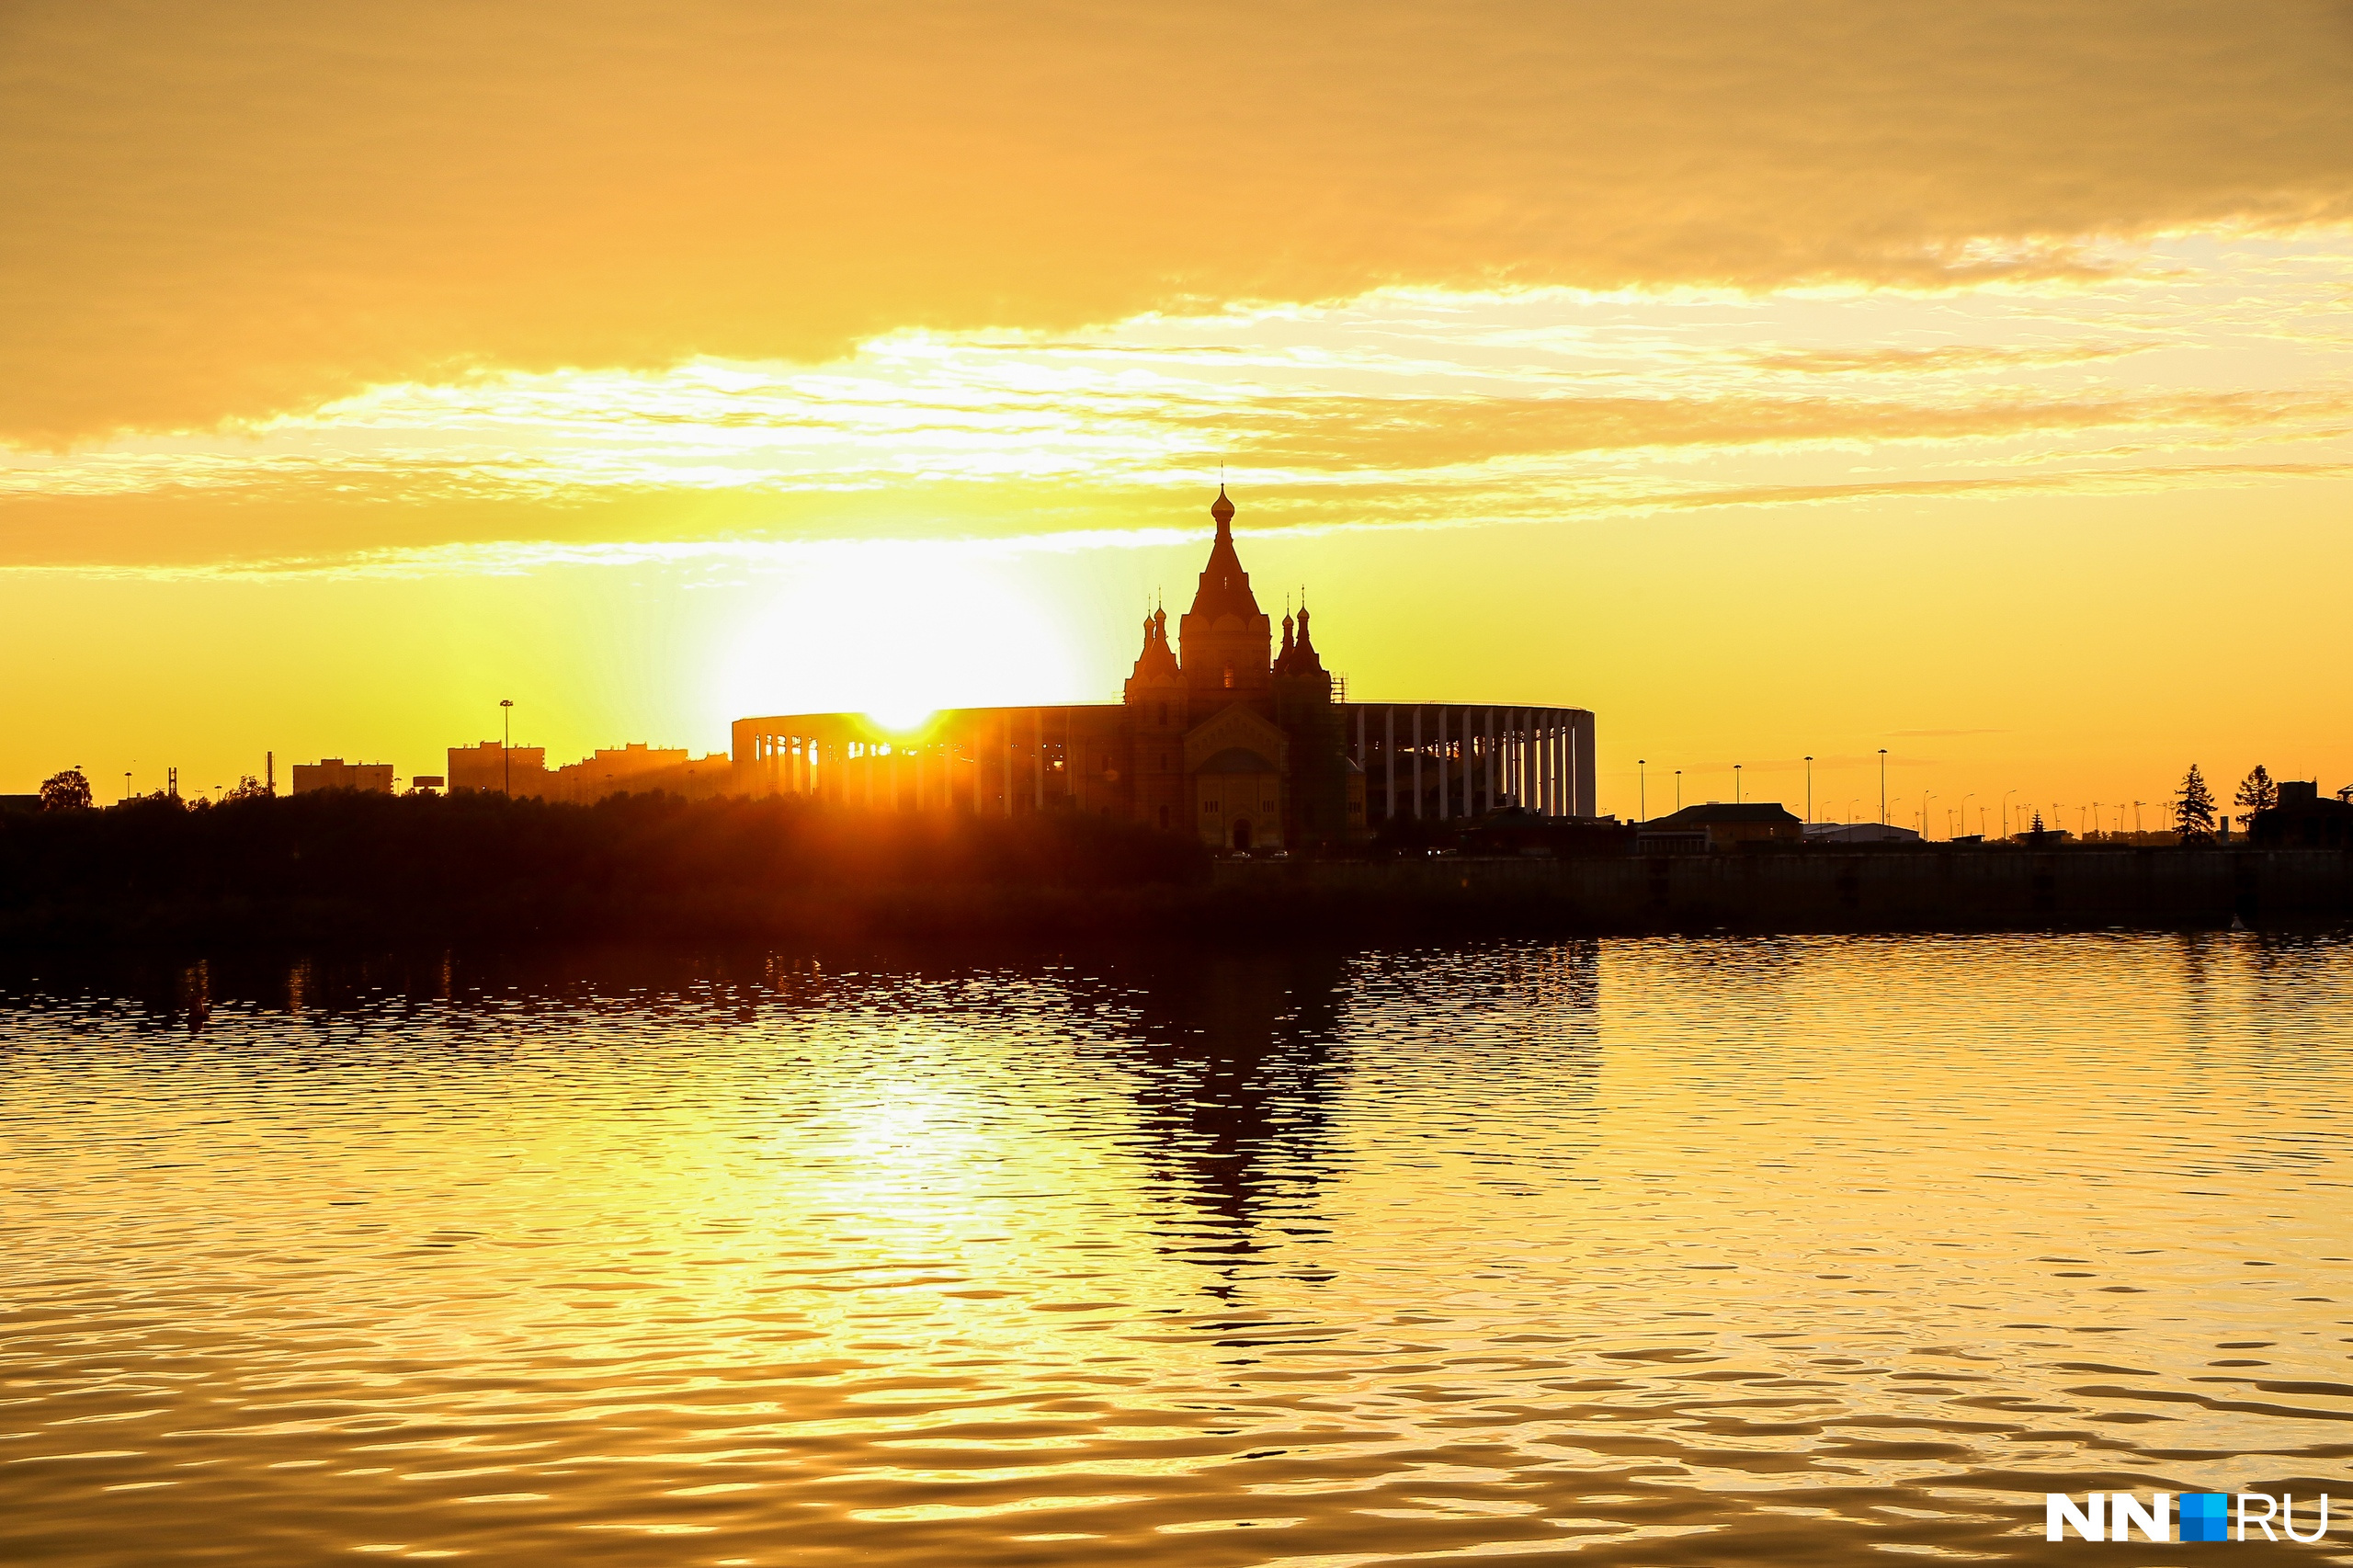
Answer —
(1803, 1250)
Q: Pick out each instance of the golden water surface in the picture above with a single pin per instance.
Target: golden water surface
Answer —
(1805, 1250)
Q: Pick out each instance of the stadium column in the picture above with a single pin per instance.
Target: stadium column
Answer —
(1441, 762)
(1551, 759)
(1417, 759)
(1552, 763)
(1561, 751)
(1583, 790)
(1490, 759)
(1389, 759)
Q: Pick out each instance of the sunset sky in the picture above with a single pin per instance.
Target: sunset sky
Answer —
(1972, 381)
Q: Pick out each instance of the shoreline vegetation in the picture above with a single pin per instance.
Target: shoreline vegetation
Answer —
(341, 870)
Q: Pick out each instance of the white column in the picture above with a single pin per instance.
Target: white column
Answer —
(1544, 783)
(1389, 758)
(1490, 759)
(1581, 729)
(1561, 757)
(1417, 759)
(1520, 757)
(1441, 762)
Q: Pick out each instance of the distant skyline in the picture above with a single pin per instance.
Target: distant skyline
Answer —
(1975, 385)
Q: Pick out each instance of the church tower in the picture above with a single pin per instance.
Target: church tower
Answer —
(1224, 643)
(1156, 725)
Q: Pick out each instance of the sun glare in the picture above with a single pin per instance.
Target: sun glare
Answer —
(899, 631)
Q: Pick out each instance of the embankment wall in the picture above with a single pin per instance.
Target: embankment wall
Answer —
(1833, 889)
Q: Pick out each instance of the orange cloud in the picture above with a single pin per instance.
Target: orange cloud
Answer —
(221, 213)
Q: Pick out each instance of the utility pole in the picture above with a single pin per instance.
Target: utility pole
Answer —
(1882, 786)
(269, 771)
(507, 746)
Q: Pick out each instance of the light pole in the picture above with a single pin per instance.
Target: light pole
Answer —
(1642, 789)
(1882, 786)
(1926, 796)
(2136, 817)
(2006, 812)
(1736, 783)
(507, 746)
(1678, 789)
(2096, 827)
(1964, 810)
(1809, 786)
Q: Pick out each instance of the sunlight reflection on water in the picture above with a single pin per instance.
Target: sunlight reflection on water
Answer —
(1660, 1251)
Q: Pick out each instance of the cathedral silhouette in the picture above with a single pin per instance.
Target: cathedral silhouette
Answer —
(1220, 734)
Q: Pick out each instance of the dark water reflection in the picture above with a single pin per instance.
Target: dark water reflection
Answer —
(1803, 1250)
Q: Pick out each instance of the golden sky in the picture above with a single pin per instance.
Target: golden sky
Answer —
(1771, 380)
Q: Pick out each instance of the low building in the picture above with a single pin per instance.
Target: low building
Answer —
(1718, 827)
(638, 768)
(2304, 819)
(333, 773)
(1858, 832)
(493, 769)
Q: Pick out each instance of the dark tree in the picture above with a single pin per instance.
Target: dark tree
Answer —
(66, 791)
(249, 789)
(2256, 793)
(2193, 809)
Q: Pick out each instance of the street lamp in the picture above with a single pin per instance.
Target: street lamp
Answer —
(2006, 812)
(2136, 817)
(1882, 786)
(506, 746)
(1963, 810)
(1642, 790)
(1678, 789)
(1926, 796)
(1736, 783)
(1809, 786)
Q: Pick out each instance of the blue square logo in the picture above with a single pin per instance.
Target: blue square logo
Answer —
(2205, 1515)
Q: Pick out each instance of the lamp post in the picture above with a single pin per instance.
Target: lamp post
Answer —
(1926, 796)
(2006, 812)
(1962, 810)
(507, 746)
(2136, 817)
(1882, 786)
(1809, 786)
(1678, 789)
(1642, 789)
(1736, 783)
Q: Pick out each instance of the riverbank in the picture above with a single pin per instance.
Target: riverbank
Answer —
(358, 871)
(1912, 887)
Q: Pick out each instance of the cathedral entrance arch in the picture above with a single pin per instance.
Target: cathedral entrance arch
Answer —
(1241, 833)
